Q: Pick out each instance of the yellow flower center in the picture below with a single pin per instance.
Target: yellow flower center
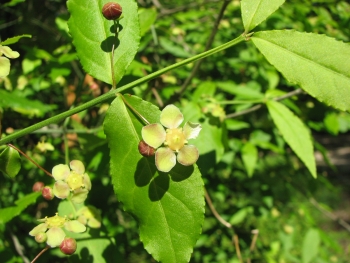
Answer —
(175, 139)
(75, 180)
(55, 221)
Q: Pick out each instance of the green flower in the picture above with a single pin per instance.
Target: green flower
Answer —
(4, 61)
(74, 181)
(174, 139)
(51, 228)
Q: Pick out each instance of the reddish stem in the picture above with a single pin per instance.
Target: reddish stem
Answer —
(30, 159)
(41, 252)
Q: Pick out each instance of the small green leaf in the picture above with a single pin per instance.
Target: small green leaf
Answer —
(249, 157)
(311, 244)
(93, 37)
(10, 162)
(168, 206)
(319, 64)
(147, 17)
(256, 11)
(6, 214)
(23, 105)
(331, 123)
(13, 40)
(295, 133)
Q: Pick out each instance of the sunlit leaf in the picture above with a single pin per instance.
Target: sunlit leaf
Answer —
(294, 132)
(93, 37)
(256, 11)
(168, 206)
(319, 64)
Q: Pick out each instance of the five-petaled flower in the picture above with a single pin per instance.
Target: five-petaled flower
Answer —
(174, 139)
(51, 229)
(74, 181)
(4, 60)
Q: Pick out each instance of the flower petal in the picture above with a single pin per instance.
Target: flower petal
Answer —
(188, 155)
(4, 67)
(60, 172)
(165, 159)
(75, 226)
(153, 134)
(191, 130)
(8, 52)
(55, 236)
(87, 181)
(61, 189)
(79, 196)
(77, 166)
(171, 117)
(38, 229)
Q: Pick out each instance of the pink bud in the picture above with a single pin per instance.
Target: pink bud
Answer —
(38, 186)
(47, 193)
(68, 246)
(112, 11)
(145, 149)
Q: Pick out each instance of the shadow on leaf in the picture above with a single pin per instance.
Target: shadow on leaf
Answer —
(145, 171)
(158, 187)
(180, 172)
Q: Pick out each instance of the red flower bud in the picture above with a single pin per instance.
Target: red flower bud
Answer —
(68, 246)
(38, 186)
(145, 149)
(112, 11)
(47, 193)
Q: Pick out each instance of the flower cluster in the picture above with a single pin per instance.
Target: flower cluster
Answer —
(75, 181)
(174, 139)
(50, 230)
(4, 60)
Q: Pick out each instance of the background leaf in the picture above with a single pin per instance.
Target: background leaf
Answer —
(249, 157)
(10, 162)
(6, 214)
(311, 243)
(168, 206)
(93, 37)
(13, 40)
(256, 11)
(319, 64)
(294, 133)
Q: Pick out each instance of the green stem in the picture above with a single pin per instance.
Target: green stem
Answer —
(113, 93)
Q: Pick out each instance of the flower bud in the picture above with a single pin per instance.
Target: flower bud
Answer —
(112, 11)
(41, 237)
(38, 186)
(47, 193)
(68, 246)
(145, 149)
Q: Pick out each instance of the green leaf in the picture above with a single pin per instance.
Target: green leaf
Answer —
(331, 123)
(319, 64)
(10, 162)
(93, 37)
(295, 133)
(147, 17)
(6, 214)
(23, 105)
(249, 157)
(311, 244)
(168, 206)
(13, 40)
(256, 11)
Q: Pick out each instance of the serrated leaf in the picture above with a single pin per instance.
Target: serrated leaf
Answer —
(13, 40)
(249, 157)
(295, 133)
(10, 162)
(311, 244)
(256, 11)
(319, 64)
(168, 206)
(93, 37)
(6, 214)
(23, 105)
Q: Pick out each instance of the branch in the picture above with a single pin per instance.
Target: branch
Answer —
(256, 107)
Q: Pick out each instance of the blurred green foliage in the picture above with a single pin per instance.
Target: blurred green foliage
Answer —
(273, 193)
